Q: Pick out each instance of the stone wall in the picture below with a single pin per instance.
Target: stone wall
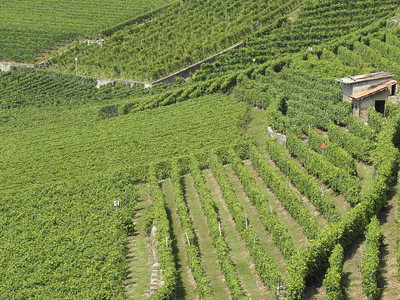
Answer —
(187, 71)
(6, 66)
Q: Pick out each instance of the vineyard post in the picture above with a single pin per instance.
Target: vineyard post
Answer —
(187, 238)
(76, 66)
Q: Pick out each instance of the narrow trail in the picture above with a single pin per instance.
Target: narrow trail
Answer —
(186, 282)
(295, 230)
(251, 211)
(239, 253)
(389, 269)
(207, 250)
(351, 269)
(139, 257)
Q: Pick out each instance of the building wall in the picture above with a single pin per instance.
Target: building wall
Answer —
(360, 107)
(355, 87)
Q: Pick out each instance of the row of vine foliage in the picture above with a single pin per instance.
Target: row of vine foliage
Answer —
(304, 182)
(356, 146)
(386, 158)
(290, 200)
(267, 271)
(218, 240)
(315, 163)
(163, 241)
(332, 152)
(192, 248)
(334, 275)
(370, 259)
(268, 218)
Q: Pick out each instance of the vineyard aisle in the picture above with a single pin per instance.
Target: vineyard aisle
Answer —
(139, 257)
(252, 213)
(239, 253)
(306, 202)
(294, 228)
(186, 283)
(351, 269)
(208, 252)
(389, 268)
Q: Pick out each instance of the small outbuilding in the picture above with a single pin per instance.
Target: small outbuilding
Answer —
(368, 90)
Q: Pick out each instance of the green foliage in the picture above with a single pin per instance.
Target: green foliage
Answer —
(375, 120)
(335, 154)
(333, 277)
(27, 86)
(192, 248)
(358, 147)
(66, 240)
(359, 129)
(173, 38)
(336, 178)
(339, 25)
(370, 260)
(74, 142)
(267, 271)
(268, 218)
(226, 264)
(290, 200)
(163, 241)
(31, 29)
(305, 183)
(356, 220)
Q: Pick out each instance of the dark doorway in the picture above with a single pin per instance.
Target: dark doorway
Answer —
(380, 106)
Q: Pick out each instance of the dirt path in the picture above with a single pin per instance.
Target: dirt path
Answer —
(207, 250)
(351, 270)
(389, 268)
(249, 278)
(139, 257)
(186, 282)
(295, 230)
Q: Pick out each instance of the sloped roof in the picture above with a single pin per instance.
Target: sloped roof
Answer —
(365, 77)
(373, 90)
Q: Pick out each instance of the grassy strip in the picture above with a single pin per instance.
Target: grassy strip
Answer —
(207, 250)
(186, 287)
(254, 219)
(137, 282)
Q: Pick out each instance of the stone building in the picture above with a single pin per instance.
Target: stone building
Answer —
(368, 90)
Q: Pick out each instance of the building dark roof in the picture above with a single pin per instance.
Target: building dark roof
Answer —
(365, 77)
(373, 90)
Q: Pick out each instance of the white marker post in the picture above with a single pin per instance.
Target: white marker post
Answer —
(116, 204)
(76, 66)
